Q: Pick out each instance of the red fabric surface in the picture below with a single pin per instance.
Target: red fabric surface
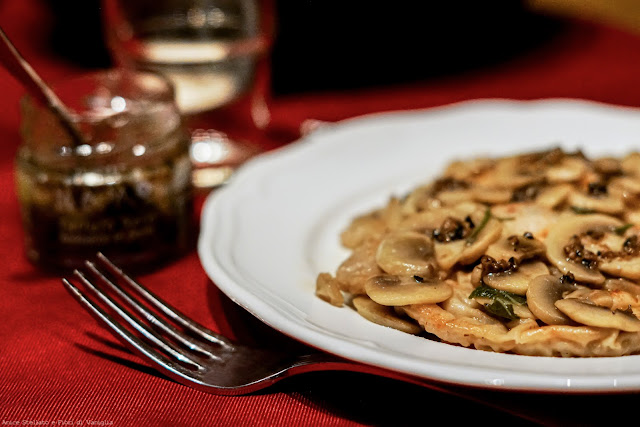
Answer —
(57, 365)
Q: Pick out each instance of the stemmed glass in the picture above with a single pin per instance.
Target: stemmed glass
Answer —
(215, 54)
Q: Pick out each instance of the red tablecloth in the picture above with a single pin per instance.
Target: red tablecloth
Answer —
(58, 366)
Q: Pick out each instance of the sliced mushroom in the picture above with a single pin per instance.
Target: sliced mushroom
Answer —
(551, 197)
(356, 269)
(631, 164)
(607, 166)
(477, 194)
(590, 314)
(606, 204)
(490, 195)
(517, 247)
(425, 220)
(621, 258)
(476, 245)
(542, 294)
(363, 228)
(392, 213)
(625, 185)
(454, 197)
(448, 254)
(599, 297)
(434, 217)
(570, 169)
(505, 174)
(462, 170)
(418, 200)
(382, 315)
(614, 299)
(522, 217)
(516, 282)
(622, 285)
(560, 235)
(403, 290)
(328, 289)
(632, 217)
(603, 242)
(469, 249)
(629, 268)
(406, 253)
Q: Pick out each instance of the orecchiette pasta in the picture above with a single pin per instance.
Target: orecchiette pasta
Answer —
(535, 254)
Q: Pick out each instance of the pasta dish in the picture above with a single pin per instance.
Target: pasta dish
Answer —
(533, 254)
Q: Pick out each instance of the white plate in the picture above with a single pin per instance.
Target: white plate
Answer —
(275, 226)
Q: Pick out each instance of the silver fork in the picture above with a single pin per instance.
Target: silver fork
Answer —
(195, 356)
(184, 350)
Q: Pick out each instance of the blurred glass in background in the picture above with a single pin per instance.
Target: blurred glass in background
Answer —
(210, 50)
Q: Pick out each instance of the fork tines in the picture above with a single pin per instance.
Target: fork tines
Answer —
(144, 322)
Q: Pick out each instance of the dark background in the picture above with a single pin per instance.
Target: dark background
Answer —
(352, 44)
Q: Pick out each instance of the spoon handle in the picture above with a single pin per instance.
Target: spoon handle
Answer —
(27, 76)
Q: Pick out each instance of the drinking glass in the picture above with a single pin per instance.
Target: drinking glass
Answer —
(215, 54)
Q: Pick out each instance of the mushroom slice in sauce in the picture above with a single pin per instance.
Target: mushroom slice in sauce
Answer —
(553, 196)
(383, 315)
(630, 164)
(542, 294)
(561, 234)
(615, 285)
(619, 267)
(406, 252)
(488, 230)
(606, 204)
(477, 194)
(625, 262)
(570, 169)
(403, 290)
(491, 195)
(518, 247)
(365, 227)
(471, 247)
(625, 186)
(590, 314)
(517, 281)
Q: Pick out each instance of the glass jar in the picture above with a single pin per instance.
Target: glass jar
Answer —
(125, 190)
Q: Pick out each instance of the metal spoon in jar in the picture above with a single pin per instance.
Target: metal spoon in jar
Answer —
(25, 74)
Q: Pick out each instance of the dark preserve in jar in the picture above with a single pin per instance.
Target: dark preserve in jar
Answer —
(125, 191)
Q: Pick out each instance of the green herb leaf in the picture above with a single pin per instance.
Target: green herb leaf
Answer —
(582, 211)
(485, 291)
(622, 229)
(501, 309)
(502, 301)
(478, 229)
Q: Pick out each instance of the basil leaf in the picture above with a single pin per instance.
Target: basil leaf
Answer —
(501, 309)
(582, 211)
(485, 291)
(502, 301)
(622, 229)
